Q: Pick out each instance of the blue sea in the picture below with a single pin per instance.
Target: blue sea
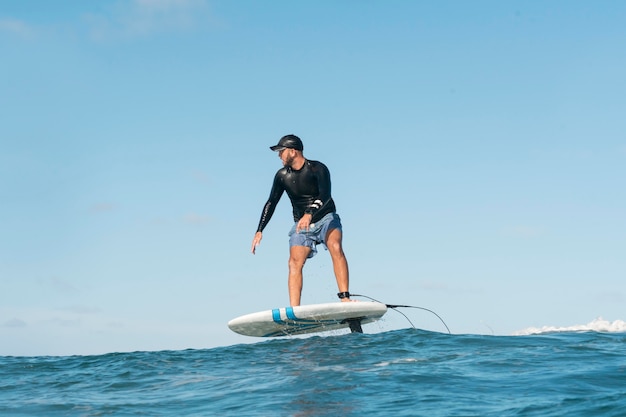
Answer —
(396, 373)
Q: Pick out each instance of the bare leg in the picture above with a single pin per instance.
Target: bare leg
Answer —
(297, 258)
(340, 263)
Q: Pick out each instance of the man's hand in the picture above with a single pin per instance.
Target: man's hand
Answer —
(304, 223)
(256, 241)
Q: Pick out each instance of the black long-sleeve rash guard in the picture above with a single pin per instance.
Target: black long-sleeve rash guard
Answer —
(308, 189)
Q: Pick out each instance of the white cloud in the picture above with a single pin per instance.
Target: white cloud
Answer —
(102, 207)
(16, 27)
(201, 177)
(124, 19)
(59, 285)
(196, 219)
(63, 322)
(81, 309)
(597, 325)
(140, 18)
(166, 5)
(15, 323)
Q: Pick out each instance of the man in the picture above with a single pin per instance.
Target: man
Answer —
(307, 184)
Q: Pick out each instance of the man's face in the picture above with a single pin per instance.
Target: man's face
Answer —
(286, 155)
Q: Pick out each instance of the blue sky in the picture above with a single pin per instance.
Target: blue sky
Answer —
(477, 151)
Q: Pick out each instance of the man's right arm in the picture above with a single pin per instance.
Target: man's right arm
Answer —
(256, 241)
(268, 210)
(272, 201)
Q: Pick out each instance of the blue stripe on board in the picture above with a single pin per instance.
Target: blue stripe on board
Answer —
(290, 313)
(276, 316)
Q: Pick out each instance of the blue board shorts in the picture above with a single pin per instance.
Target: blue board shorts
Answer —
(316, 234)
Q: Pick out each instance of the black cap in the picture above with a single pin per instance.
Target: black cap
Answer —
(288, 141)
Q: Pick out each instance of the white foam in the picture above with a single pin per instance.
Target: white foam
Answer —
(597, 325)
(398, 361)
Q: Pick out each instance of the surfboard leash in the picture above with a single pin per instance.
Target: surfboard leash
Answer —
(395, 307)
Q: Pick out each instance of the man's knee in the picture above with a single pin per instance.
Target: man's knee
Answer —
(334, 246)
(333, 241)
(295, 263)
(297, 256)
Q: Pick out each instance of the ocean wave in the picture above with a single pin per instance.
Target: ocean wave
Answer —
(403, 372)
(598, 325)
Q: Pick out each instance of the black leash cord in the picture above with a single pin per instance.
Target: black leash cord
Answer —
(396, 306)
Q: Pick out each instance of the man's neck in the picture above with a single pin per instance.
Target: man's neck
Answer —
(298, 163)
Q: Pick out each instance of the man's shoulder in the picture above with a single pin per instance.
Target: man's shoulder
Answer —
(316, 164)
(281, 172)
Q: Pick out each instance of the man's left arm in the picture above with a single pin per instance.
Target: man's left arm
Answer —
(322, 177)
(322, 174)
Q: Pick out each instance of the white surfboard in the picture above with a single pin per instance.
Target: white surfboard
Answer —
(308, 319)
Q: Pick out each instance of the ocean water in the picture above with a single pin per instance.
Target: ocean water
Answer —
(396, 373)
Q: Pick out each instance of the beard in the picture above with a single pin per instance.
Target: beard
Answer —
(289, 161)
